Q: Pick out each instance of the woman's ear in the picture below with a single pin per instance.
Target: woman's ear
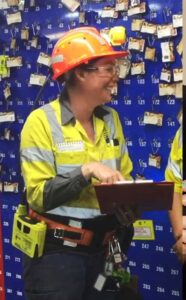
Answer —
(80, 74)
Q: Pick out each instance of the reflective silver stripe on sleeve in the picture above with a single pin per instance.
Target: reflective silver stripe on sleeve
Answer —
(54, 124)
(175, 168)
(180, 138)
(76, 212)
(37, 154)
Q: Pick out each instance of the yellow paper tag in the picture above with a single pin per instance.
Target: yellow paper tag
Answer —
(144, 230)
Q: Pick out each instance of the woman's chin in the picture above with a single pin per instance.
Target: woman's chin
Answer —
(108, 100)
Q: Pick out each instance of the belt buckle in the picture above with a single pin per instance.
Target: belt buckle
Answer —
(59, 233)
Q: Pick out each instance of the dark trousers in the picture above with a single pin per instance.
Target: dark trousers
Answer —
(67, 276)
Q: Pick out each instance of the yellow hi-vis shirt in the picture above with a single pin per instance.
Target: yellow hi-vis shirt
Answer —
(50, 147)
(174, 171)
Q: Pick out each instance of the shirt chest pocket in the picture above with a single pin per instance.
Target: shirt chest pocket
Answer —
(112, 152)
(68, 160)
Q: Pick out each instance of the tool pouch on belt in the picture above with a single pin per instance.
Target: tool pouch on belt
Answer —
(28, 235)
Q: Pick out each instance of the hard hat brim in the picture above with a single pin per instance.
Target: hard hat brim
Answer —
(113, 54)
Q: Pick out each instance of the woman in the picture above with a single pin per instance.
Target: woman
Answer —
(66, 146)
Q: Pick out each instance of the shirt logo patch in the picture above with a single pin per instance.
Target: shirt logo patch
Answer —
(71, 146)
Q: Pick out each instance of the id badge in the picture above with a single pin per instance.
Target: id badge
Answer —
(144, 230)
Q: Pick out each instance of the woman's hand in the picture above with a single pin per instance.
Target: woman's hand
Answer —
(180, 245)
(102, 172)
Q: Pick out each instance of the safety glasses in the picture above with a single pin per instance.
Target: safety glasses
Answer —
(105, 70)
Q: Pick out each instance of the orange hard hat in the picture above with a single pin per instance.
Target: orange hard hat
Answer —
(78, 46)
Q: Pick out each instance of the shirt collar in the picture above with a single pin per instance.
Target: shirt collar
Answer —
(67, 114)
